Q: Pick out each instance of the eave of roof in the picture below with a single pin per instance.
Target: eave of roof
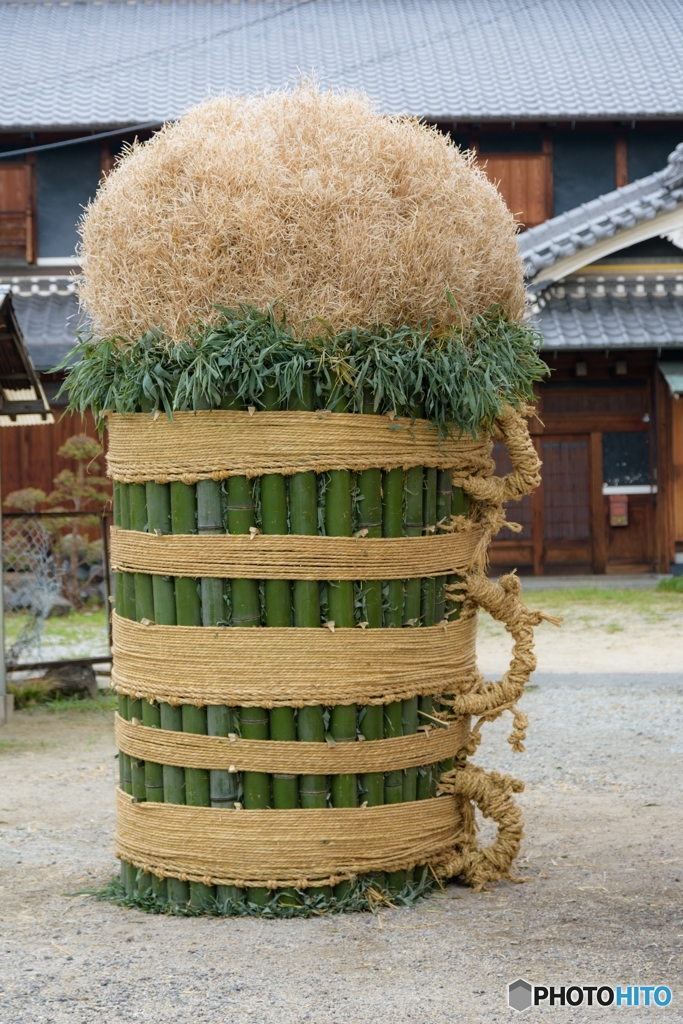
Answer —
(21, 393)
(100, 63)
(616, 313)
(649, 207)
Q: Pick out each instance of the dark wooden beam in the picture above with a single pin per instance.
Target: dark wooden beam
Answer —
(665, 544)
(598, 526)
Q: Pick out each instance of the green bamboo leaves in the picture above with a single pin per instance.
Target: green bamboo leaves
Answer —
(463, 377)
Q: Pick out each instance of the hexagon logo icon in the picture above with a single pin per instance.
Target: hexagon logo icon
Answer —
(519, 995)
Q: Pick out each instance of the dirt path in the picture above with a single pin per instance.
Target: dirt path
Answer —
(603, 856)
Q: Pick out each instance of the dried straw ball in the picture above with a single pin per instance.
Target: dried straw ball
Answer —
(308, 197)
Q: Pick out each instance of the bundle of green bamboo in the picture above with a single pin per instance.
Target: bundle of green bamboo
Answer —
(370, 503)
(346, 266)
(373, 503)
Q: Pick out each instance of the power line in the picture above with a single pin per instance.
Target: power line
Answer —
(83, 138)
(178, 49)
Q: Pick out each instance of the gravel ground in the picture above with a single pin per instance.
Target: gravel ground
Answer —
(601, 903)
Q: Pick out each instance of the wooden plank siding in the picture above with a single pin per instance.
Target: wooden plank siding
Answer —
(29, 454)
(525, 183)
(677, 453)
(17, 201)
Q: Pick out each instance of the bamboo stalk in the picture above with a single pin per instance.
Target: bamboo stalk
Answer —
(154, 786)
(255, 724)
(223, 785)
(246, 612)
(425, 704)
(159, 518)
(340, 600)
(127, 603)
(460, 506)
(163, 590)
(184, 520)
(128, 872)
(137, 771)
(412, 609)
(371, 718)
(393, 781)
(139, 881)
(144, 597)
(428, 606)
(392, 526)
(189, 613)
(444, 497)
(124, 759)
(118, 577)
(174, 793)
(278, 612)
(144, 609)
(303, 513)
(198, 794)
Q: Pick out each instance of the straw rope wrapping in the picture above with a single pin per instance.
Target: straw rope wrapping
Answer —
(214, 445)
(492, 793)
(510, 427)
(191, 750)
(304, 847)
(300, 847)
(293, 557)
(307, 847)
(291, 667)
(501, 600)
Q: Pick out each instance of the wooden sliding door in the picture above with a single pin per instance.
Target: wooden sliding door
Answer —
(567, 540)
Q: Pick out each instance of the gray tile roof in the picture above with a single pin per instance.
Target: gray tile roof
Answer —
(603, 217)
(100, 62)
(48, 322)
(574, 317)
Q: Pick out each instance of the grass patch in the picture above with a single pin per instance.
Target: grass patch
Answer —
(672, 586)
(75, 628)
(105, 703)
(647, 601)
(9, 745)
(364, 896)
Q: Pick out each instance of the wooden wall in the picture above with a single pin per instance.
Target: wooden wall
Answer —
(17, 203)
(567, 522)
(525, 182)
(677, 432)
(29, 454)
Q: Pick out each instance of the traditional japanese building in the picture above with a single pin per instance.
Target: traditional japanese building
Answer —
(606, 287)
(570, 106)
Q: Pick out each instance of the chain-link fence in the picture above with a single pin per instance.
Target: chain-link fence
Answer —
(52, 562)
